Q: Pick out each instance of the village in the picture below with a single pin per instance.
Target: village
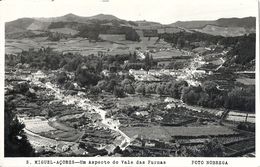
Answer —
(71, 124)
(103, 86)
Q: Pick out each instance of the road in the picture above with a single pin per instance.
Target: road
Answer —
(86, 104)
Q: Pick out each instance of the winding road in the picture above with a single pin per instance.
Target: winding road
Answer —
(85, 104)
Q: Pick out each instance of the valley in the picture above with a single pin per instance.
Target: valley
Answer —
(102, 86)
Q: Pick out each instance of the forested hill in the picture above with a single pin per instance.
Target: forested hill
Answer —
(246, 22)
(72, 25)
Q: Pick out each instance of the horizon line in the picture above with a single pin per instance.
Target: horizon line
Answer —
(233, 17)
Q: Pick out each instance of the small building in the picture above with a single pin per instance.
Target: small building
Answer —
(149, 144)
(142, 113)
(39, 74)
(136, 143)
(106, 73)
(137, 72)
(62, 147)
(110, 148)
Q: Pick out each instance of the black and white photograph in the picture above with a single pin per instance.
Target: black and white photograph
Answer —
(110, 78)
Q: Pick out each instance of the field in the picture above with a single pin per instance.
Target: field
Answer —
(62, 132)
(167, 54)
(76, 45)
(239, 116)
(166, 132)
(64, 31)
(85, 47)
(37, 125)
(60, 126)
(136, 101)
(70, 136)
(246, 81)
(223, 31)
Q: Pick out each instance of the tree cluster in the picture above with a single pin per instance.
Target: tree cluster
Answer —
(208, 95)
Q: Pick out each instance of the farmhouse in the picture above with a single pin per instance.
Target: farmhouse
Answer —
(137, 72)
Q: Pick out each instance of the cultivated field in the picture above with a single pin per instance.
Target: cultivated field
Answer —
(167, 132)
(37, 125)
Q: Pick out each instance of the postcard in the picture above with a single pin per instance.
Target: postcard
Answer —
(129, 83)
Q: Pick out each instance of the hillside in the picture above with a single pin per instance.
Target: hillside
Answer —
(191, 24)
(225, 31)
(18, 25)
(92, 26)
(247, 22)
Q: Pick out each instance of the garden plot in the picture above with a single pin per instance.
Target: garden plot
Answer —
(168, 54)
(136, 100)
(37, 124)
(70, 136)
(240, 117)
(246, 81)
(62, 132)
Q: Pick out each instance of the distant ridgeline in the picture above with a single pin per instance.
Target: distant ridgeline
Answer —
(91, 27)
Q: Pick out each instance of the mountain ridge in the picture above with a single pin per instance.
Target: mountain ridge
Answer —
(74, 22)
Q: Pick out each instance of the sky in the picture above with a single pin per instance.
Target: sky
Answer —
(163, 11)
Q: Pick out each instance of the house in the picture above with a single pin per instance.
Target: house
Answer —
(39, 74)
(169, 106)
(62, 147)
(136, 143)
(149, 144)
(154, 73)
(142, 113)
(170, 100)
(110, 148)
(137, 72)
(158, 118)
(106, 73)
(140, 55)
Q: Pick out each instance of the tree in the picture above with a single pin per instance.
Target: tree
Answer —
(61, 78)
(129, 89)
(133, 57)
(211, 148)
(180, 42)
(111, 85)
(147, 62)
(160, 89)
(176, 89)
(241, 99)
(69, 86)
(210, 87)
(126, 82)
(16, 143)
(190, 96)
(118, 91)
(95, 90)
(22, 87)
(150, 88)
(86, 78)
(102, 84)
(141, 89)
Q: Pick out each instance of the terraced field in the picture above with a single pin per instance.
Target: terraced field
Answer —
(166, 132)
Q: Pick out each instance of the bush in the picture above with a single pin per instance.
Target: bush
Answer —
(95, 90)
(119, 92)
(61, 78)
(246, 126)
(129, 89)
